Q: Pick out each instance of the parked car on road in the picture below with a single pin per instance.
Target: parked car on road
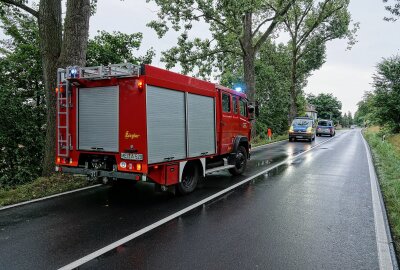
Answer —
(302, 128)
(325, 127)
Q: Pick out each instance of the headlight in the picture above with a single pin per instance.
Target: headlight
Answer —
(291, 129)
(309, 130)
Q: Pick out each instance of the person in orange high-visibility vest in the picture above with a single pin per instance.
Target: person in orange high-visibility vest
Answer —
(269, 134)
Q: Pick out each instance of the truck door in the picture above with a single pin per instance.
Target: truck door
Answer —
(235, 115)
(227, 128)
(244, 126)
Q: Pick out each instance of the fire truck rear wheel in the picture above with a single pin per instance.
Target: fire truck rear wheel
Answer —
(190, 177)
(240, 161)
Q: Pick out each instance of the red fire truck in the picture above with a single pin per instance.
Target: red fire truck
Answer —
(144, 123)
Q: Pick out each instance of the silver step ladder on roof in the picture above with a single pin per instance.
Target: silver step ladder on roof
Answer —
(64, 94)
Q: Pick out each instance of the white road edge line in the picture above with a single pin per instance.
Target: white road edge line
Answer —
(47, 197)
(144, 230)
(382, 241)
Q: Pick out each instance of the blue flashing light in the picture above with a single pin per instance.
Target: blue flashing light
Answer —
(73, 72)
(238, 89)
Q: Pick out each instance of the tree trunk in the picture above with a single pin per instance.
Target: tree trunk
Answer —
(55, 53)
(293, 92)
(248, 62)
(58, 52)
(50, 29)
(76, 33)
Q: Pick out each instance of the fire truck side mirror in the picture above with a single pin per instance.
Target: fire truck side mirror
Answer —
(253, 112)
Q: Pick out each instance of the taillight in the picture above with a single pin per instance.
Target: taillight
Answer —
(138, 167)
(140, 85)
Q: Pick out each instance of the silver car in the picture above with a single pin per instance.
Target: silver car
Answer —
(325, 127)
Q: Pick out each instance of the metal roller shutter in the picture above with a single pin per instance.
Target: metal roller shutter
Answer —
(98, 118)
(165, 124)
(201, 125)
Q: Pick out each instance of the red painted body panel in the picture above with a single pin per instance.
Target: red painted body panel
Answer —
(133, 126)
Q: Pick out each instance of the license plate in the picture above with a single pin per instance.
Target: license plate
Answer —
(299, 137)
(132, 156)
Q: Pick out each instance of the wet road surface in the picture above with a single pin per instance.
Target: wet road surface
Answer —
(313, 213)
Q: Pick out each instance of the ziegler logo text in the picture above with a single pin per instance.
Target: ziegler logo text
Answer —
(131, 135)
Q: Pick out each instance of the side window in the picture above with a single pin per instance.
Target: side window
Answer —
(243, 107)
(226, 102)
(235, 104)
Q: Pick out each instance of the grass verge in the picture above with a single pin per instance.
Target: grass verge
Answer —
(41, 187)
(257, 141)
(386, 157)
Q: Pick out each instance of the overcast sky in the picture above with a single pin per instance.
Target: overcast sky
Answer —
(346, 74)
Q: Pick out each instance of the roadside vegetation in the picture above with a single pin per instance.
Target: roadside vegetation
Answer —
(380, 112)
(262, 139)
(41, 187)
(386, 155)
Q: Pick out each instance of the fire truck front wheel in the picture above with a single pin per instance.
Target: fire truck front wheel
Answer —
(240, 161)
(190, 177)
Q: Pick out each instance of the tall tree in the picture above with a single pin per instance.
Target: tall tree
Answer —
(310, 25)
(350, 117)
(387, 93)
(345, 120)
(61, 46)
(238, 28)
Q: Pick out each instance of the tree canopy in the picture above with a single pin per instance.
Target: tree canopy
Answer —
(394, 8)
(387, 93)
(112, 48)
(237, 28)
(326, 105)
(22, 104)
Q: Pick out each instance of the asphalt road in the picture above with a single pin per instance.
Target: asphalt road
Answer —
(315, 213)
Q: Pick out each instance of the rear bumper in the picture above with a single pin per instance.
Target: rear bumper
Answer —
(99, 173)
(298, 135)
(325, 132)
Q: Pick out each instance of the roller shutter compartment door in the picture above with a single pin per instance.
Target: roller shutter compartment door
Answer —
(98, 124)
(201, 125)
(165, 124)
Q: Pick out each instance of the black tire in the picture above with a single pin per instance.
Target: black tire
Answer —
(190, 178)
(240, 161)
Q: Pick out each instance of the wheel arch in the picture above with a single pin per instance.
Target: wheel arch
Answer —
(241, 140)
(200, 163)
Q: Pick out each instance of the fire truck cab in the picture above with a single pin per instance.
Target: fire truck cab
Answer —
(148, 124)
